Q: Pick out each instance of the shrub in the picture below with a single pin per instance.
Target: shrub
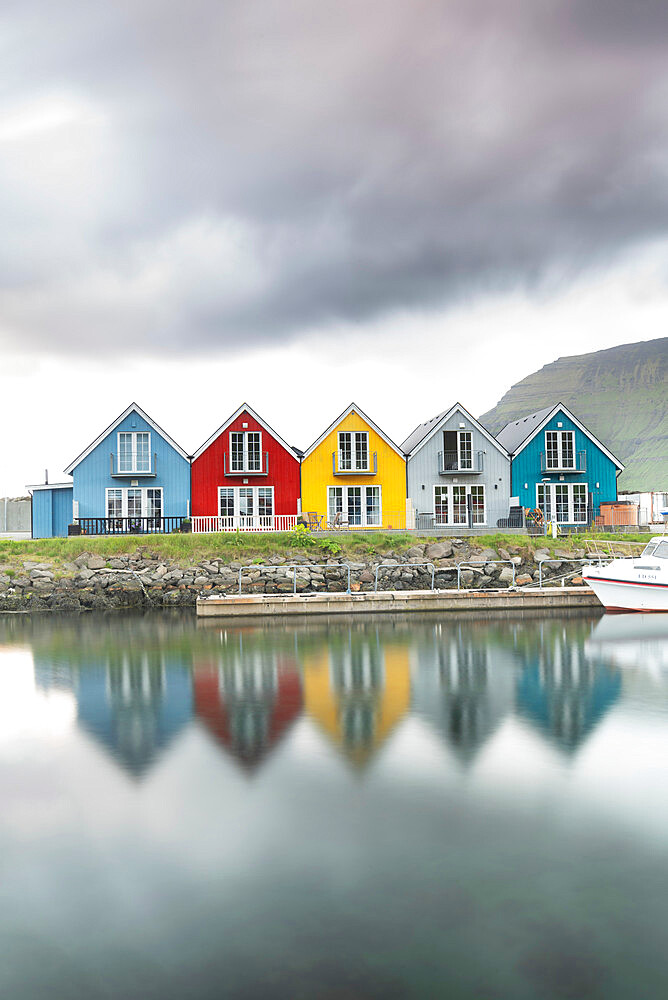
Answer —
(301, 537)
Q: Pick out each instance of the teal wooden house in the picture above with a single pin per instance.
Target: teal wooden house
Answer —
(559, 466)
(132, 478)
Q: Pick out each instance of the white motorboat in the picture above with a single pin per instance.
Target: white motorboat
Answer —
(637, 584)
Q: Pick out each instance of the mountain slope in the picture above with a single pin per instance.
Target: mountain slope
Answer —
(620, 394)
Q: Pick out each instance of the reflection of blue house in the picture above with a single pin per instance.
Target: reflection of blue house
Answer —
(135, 705)
(567, 700)
(559, 466)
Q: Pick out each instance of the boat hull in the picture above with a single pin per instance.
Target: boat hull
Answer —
(628, 595)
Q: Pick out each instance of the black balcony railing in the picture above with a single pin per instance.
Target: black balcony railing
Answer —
(130, 525)
(117, 473)
(450, 463)
(572, 463)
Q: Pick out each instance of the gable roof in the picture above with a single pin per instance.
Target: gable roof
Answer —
(354, 408)
(423, 432)
(517, 434)
(247, 409)
(133, 407)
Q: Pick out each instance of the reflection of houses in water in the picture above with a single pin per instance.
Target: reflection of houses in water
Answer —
(462, 687)
(563, 694)
(357, 692)
(134, 703)
(248, 698)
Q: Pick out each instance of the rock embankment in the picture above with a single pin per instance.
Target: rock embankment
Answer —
(142, 579)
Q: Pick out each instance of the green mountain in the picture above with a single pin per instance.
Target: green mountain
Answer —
(620, 394)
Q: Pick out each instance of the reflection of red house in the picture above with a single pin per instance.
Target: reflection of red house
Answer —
(245, 470)
(246, 706)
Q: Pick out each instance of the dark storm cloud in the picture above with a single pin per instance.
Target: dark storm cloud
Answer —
(191, 175)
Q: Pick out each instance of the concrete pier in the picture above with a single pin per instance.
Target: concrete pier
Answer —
(269, 605)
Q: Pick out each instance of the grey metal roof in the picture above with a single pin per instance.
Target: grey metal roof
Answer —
(517, 431)
(420, 432)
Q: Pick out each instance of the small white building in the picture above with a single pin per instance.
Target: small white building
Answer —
(650, 506)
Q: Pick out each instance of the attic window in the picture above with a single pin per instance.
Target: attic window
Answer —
(134, 451)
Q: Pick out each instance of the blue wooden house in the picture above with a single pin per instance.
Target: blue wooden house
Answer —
(51, 509)
(132, 478)
(559, 466)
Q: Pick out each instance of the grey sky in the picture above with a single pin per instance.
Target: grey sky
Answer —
(178, 177)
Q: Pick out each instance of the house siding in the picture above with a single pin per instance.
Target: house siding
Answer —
(51, 512)
(526, 471)
(423, 473)
(317, 476)
(92, 477)
(208, 471)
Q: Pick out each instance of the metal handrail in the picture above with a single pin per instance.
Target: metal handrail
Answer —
(395, 565)
(470, 563)
(541, 561)
(295, 567)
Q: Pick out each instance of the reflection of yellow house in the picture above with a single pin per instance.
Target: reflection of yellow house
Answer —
(357, 694)
(355, 475)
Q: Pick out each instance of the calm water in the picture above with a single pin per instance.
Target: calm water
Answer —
(407, 808)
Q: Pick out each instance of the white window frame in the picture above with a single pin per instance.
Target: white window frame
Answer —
(124, 490)
(460, 450)
(245, 452)
(133, 453)
(551, 487)
(354, 436)
(449, 493)
(364, 522)
(254, 519)
(561, 437)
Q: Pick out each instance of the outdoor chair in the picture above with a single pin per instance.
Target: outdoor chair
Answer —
(338, 523)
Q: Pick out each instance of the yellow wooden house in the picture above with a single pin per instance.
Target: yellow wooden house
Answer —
(354, 476)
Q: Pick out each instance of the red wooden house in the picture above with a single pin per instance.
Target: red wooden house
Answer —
(245, 477)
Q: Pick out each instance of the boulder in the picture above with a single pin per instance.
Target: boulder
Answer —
(65, 602)
(506, 576)
(415, 552)
(96, 562)
(523, 579)
(540, 554)
(438, 550)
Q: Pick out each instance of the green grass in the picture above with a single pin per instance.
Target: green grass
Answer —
(256, 548)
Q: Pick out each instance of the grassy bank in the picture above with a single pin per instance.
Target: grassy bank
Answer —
(189, 549)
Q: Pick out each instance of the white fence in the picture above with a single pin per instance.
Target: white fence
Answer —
(241, 522)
